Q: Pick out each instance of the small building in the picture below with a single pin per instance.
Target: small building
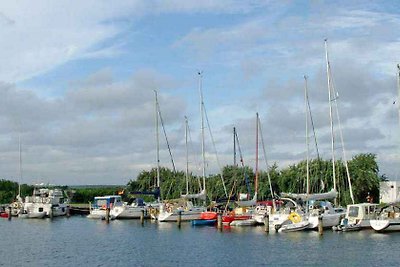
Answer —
(389, 192)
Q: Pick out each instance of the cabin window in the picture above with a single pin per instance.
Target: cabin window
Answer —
(353, 211)
(40, 209)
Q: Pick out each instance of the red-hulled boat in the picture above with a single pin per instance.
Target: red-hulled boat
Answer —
(3, 215)
(227, 219)
(208, 215)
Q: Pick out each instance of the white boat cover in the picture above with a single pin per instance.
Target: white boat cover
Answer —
(248, 203)
(328, 195)
(202, 195)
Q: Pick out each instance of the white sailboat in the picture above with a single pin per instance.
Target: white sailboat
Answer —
(389, 218)
(17, 205)
(184, 209)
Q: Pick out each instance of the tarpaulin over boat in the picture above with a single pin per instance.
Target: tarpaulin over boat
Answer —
(328, 195)
(201, 195)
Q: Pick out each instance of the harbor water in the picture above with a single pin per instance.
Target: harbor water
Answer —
(78, 241)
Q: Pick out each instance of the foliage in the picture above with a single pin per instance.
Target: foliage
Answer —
(85, 195)
(363, 170)
(9, 191)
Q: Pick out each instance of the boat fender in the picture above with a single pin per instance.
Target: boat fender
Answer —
(294, 217)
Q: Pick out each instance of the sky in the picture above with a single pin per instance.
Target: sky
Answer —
(77, 84)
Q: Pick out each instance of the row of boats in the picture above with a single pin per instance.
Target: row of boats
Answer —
(283, 215)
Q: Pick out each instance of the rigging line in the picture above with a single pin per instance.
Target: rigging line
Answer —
(342, 141)
(242, 164)
(314, 134)
(215, 149)
(166, 138)
(194, 158)
(266, 163)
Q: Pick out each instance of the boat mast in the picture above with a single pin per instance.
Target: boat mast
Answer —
(256, 180)
(307, 141)
(330, 116)
(202, 131)
(187, 155)
(20, 165)
(266, 163)
(157, 143)
(234, 147)
(398, 89)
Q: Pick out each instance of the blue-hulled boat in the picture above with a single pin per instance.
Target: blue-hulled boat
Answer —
(203, 222)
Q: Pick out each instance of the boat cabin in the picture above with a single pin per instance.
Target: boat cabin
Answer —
(105, 202)
(363, 211)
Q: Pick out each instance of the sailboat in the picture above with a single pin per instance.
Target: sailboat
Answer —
(17, 205)
(389, 217)
(243, 215)
(184, 208)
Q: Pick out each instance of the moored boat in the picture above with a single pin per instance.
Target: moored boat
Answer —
(388, 220)
(202, 222)
(293, 227)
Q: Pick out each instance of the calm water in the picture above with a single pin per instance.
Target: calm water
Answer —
(79, 241)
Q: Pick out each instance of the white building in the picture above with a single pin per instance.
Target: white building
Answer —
(389, 192)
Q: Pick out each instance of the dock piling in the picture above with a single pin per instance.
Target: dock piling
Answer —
(179, 218)
(219, 221)
(142, 217)
(266, 223)
(320, 226)
(108, 215)
(9, 213)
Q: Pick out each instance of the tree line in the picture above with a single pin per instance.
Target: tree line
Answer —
(363, 169)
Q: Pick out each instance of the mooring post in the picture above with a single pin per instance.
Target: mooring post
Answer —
(219, 221)
(9, 213)
(51, 212)
(142, 217)
(108, 215)
(266, 223)
(68, 212)
(320, 225)
(179, 218)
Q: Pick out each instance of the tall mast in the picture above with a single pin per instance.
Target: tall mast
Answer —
(307, 141)
(398, 89)
(187, 155)
(234, 147)
(330, 116)
(157, 142)
(256, 181)
(202, 131)
(20, 165)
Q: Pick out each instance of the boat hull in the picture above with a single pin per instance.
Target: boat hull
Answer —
(328, 220)
(389, 225)
(248, 222)
(202, 222)
(173, 216)
(294, 227)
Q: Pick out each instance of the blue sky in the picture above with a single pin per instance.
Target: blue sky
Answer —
(78, 79)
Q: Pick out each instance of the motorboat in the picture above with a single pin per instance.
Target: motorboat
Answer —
(330, 216)
(48, 201)
(388, 220)
(134, 210)
(358, 216)
(100, 205)
(294, 226)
